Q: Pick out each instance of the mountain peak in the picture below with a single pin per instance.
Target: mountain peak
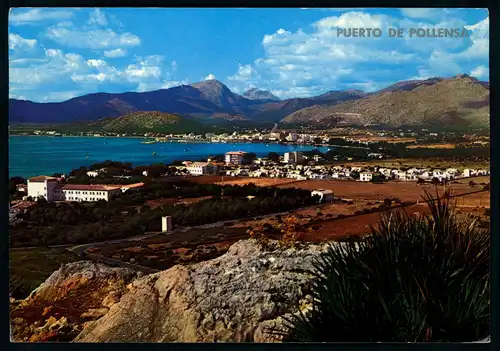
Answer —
(257, 94)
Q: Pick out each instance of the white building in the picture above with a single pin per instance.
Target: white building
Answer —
(293, 157)
(51, 190)
(78, 192)
(166, 224)
(200, 168)
(324, 195)
(235, 157)
(92, 174)
(292, 137)
(43, 186)
(365, 176)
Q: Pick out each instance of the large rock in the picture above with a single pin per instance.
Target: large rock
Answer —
(234, 297)
(72, 296)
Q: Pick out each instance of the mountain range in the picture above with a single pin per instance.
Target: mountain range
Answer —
(460, 100)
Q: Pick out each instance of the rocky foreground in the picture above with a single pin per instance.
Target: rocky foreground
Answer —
(235, 297)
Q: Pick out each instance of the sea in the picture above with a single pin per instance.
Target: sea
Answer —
(45, 155)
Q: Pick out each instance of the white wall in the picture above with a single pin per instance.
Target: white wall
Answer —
(89, 195)
(44, 189)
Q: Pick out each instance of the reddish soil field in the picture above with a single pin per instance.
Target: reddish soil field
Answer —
(164, 251)
(228, 180)
(211, 179)
(405, 191)
(358, 225)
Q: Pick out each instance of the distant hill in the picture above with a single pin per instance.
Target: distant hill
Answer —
(136, 122)
(462, 99)
(257, 94)
(458, 101)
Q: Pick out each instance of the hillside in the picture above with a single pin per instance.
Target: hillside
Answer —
(460, 101)
(257, 94)
(182, 99)
(137, 122)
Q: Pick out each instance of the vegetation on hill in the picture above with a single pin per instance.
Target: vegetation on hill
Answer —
(460, 101)
(127, 214)
(136, 123)
(416, 279)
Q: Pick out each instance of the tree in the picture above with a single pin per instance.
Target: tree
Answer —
(435, 181)
(13, 182)
(378, 178)
(273, 156)
(408, 272)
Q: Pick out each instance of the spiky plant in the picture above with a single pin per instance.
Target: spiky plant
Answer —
(415, 279)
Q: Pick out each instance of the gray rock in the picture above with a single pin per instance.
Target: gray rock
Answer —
(234, 297)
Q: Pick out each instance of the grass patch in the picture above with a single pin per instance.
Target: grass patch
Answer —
(28, 268)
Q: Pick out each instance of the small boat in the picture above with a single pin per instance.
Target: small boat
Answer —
(186, 149)
(87, 157)
(154, 153)
(148, 142)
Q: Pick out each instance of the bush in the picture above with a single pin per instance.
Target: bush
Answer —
(422, 279)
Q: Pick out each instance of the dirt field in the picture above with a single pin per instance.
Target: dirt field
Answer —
(432, 146)
(320, 223)
(228, 180)
(427, 162)
(405, 191)
(164, 251)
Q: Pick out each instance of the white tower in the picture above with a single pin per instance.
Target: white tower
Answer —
(166, 224)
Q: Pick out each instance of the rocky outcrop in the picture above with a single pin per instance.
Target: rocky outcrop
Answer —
(235, 297)
(72, 296)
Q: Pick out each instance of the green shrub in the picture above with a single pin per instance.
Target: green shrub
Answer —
(415, 279)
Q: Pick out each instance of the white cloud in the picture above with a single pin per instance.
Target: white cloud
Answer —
(93, 39)
(209, 77)
(480, 72)
(245, 73)
(317, 60)
(166, 84)
(18, 42)
(98, 18)
(173, 66)
(115, 53)
(35, 16)
(53, 67)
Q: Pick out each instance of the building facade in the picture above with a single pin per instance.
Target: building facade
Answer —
(43, 186)
(293, 157)
(77, 192)
(52, 190)
(236, 157)
(365, 176)
(324, 195)
(200, 168)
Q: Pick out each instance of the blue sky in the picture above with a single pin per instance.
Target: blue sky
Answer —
(59, 53)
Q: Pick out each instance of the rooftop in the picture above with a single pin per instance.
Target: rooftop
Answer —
(197, 164)
(90, 187)
(324, 191)
(236, 153)
(42, 179)
(130, 186)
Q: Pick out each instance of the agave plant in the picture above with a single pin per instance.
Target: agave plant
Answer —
(415, 279)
